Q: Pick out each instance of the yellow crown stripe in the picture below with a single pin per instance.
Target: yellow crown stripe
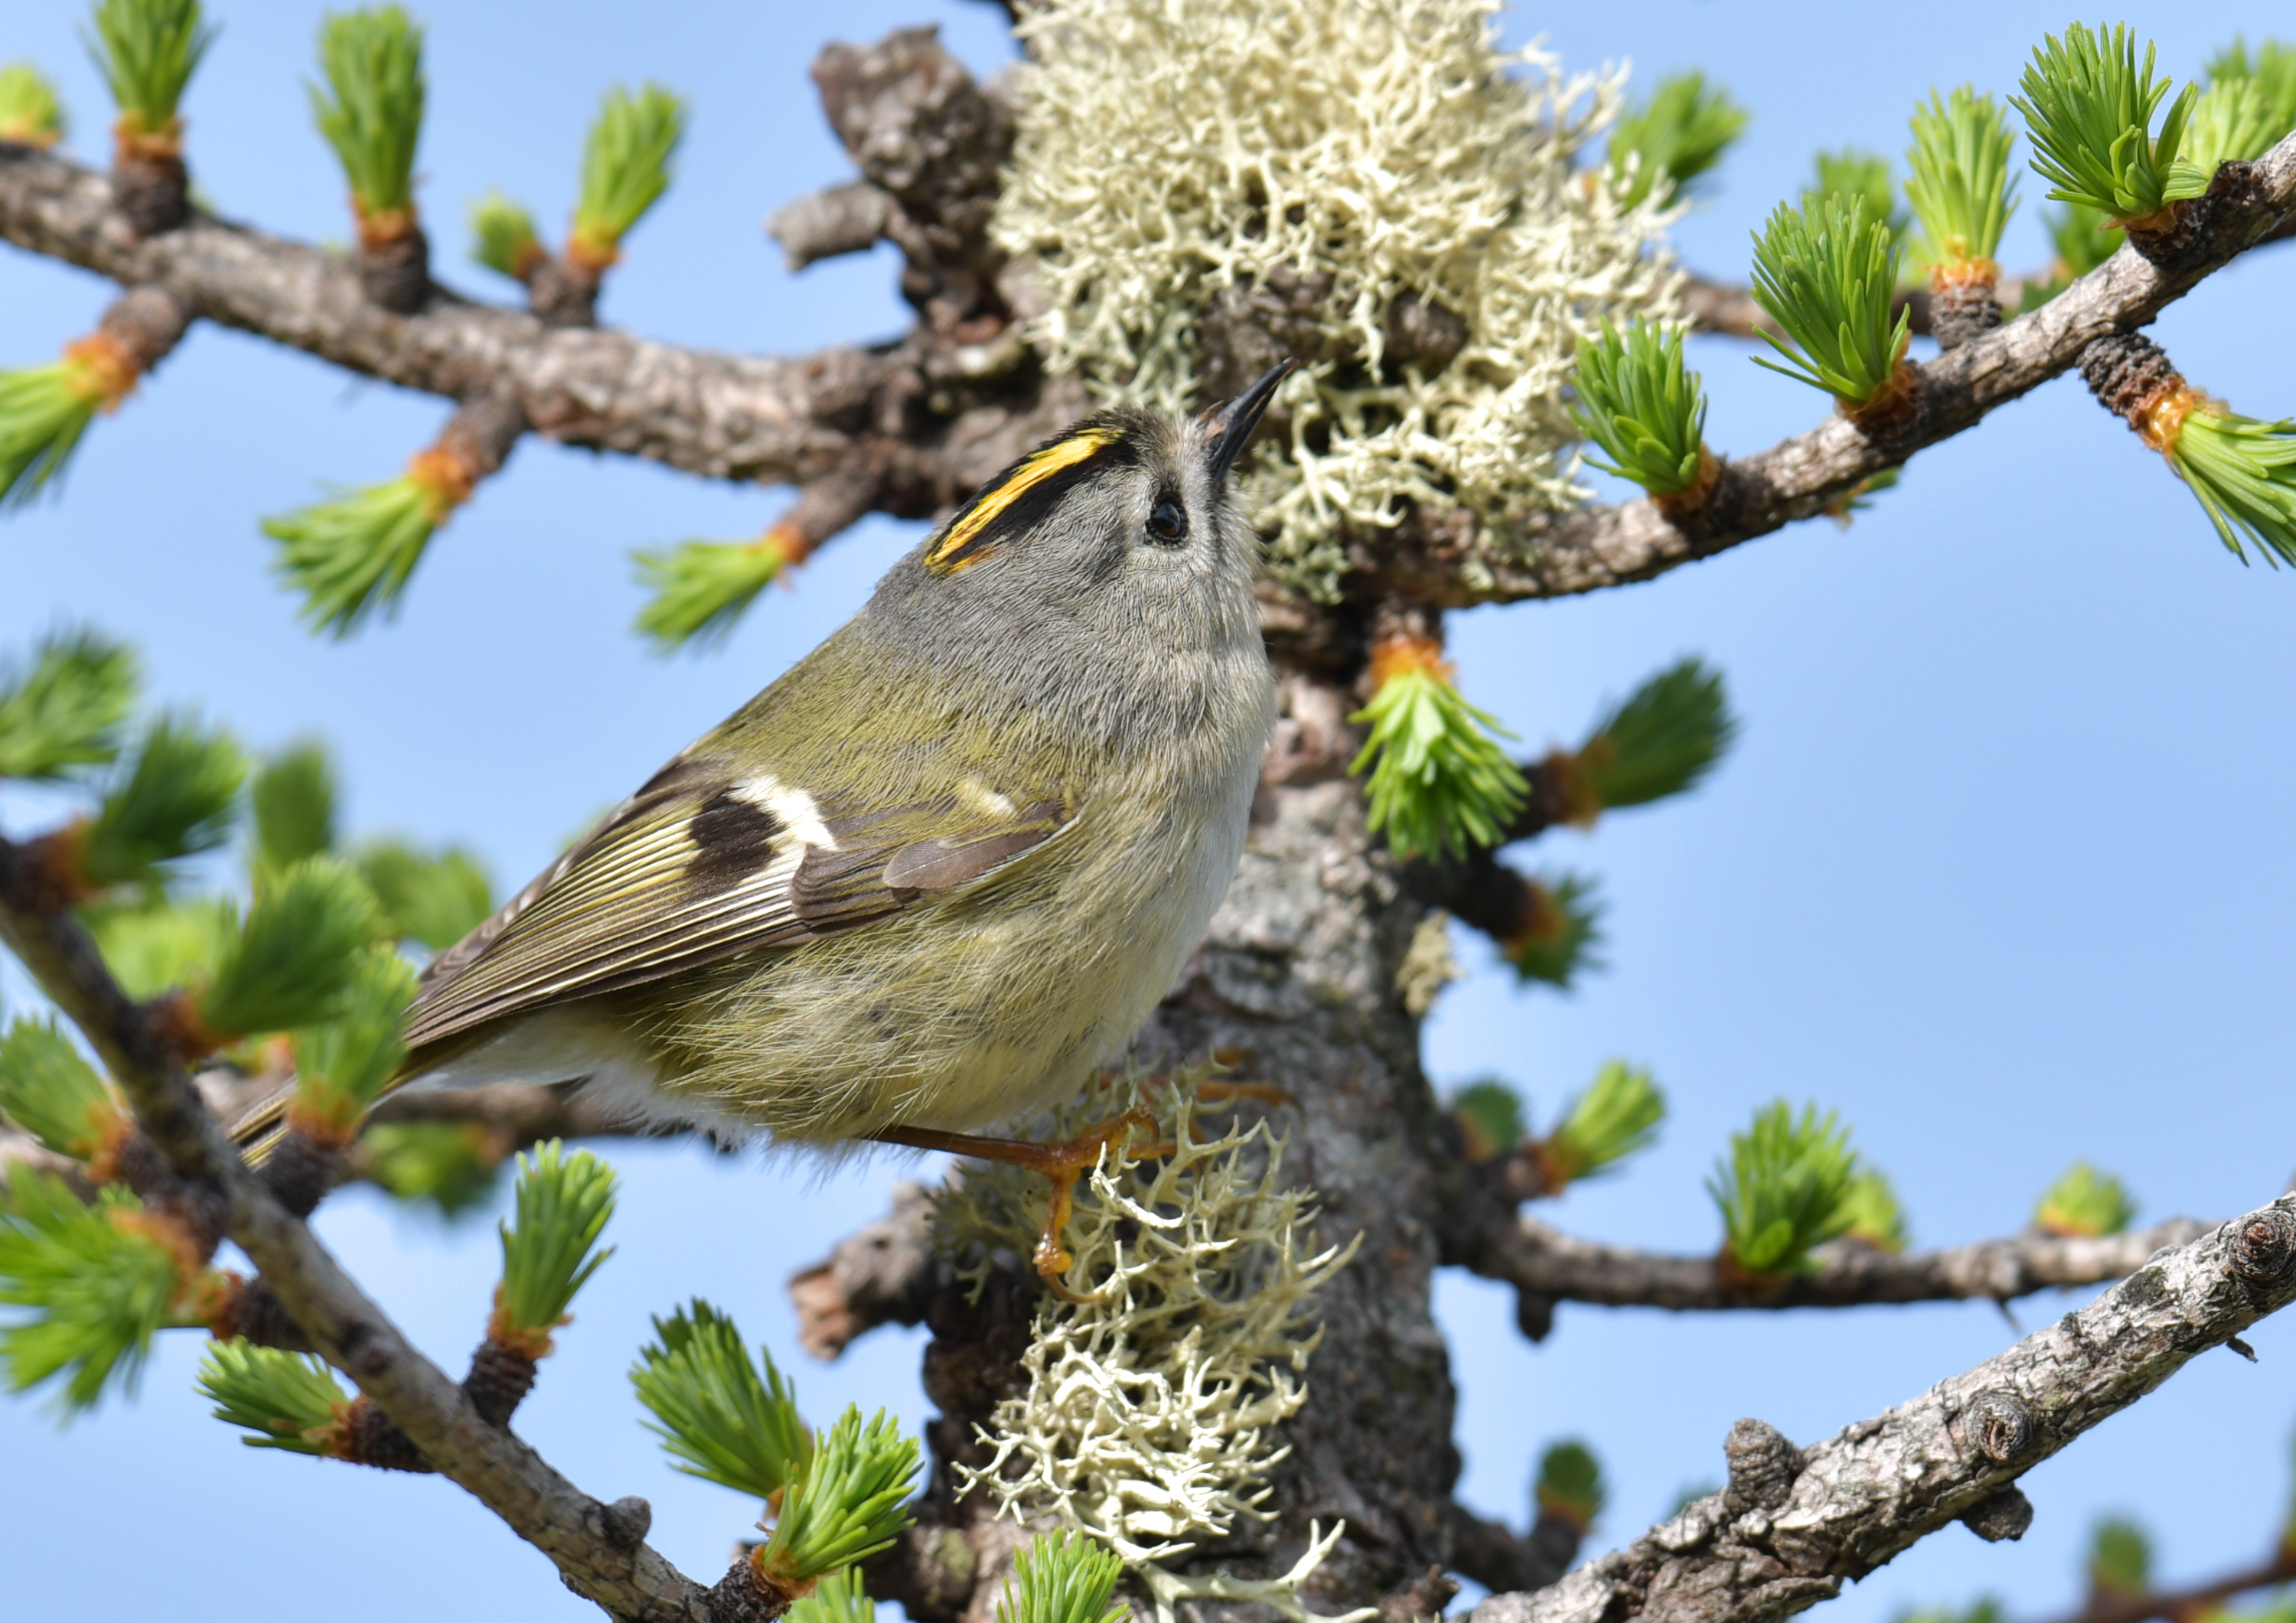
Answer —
(1066, 454)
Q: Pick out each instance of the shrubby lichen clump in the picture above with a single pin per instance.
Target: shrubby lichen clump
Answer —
(1151, 1413)
(1382, 189)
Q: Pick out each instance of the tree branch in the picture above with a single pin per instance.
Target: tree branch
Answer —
(1541, 1262)
(1788, 1534)
(2199, 1601)
(1584, 551)
(920, 421)
(584, 1538)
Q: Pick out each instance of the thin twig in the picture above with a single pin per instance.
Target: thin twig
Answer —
(1540, 1261)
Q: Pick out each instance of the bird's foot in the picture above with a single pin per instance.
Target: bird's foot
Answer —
(1063, 1163)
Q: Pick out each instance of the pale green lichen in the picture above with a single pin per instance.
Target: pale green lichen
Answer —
(1151, 1412)
(1355, 153)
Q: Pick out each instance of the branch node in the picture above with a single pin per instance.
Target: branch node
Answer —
(1763, 1466)
(626, 1522)
(301, 1172)
(2128, 372)
(1998, 1425)
(2263, 1251)
(2005, 1516)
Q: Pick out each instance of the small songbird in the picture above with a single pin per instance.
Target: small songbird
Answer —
(944, 866)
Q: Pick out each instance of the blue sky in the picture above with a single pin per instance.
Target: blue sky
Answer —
(1998, 868)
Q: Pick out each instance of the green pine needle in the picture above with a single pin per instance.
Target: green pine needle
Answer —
(450, 1164)
(1876, 1217)
(2086, 1203)
(1490, 1117)
(279, 1398)
(1662, 740)
(176, 800)
(2243, 473)
(293, 801)
(30, 113)
(352, 555)
(1062, 1578)
(1640, 404)
(147, 51)
(1571, 1484)
(561, 1205)
(2274, 71)
(153, 943)
(1827, 274)
(370, 111)
(48, 1090)
(1673, 138)
(1958, 179)
(1566, 929)
(1617, 1117)
(503, 235)
(847, 1502)
(341, 1067)
(66, 710)
(1784, 1188)
(434, 898)
(2234, 121)
(2120, 1560)
(626, 166)
(44, 411)
(1855, 172)
(96, 1289)
(2088, 109)
(717, 1417)
(1440, 785)
(838, 1598)
(700, 588)
(297, 959)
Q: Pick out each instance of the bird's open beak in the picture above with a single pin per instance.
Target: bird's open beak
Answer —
(1232, 424)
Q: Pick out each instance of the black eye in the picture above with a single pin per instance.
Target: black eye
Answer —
(1168, 523)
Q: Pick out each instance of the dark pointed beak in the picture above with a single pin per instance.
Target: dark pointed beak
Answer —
(1232, 424)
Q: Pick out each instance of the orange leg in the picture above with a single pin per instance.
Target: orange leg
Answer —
(1063, 1163)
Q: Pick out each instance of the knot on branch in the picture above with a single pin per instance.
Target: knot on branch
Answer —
(626, 1522)
(1763, 1466)
(1998, 1425)
(2003, 1517)
(2263, 1250)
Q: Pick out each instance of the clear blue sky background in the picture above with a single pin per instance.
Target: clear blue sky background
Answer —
(2000, 868)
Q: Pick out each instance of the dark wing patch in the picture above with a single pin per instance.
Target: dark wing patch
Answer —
(733, 839)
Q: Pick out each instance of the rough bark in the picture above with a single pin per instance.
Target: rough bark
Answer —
(1843, 1507)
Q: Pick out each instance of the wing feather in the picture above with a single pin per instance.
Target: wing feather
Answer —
(703, 864)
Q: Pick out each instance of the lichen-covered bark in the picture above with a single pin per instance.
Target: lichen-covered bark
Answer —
(1299, 971)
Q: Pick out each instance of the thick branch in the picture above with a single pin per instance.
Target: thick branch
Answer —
(1595, 547)
(625, 1576)
(722, 416)
(1541, 1262)
(1770, 1547)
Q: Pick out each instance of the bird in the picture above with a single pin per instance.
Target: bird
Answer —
(941, 870)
